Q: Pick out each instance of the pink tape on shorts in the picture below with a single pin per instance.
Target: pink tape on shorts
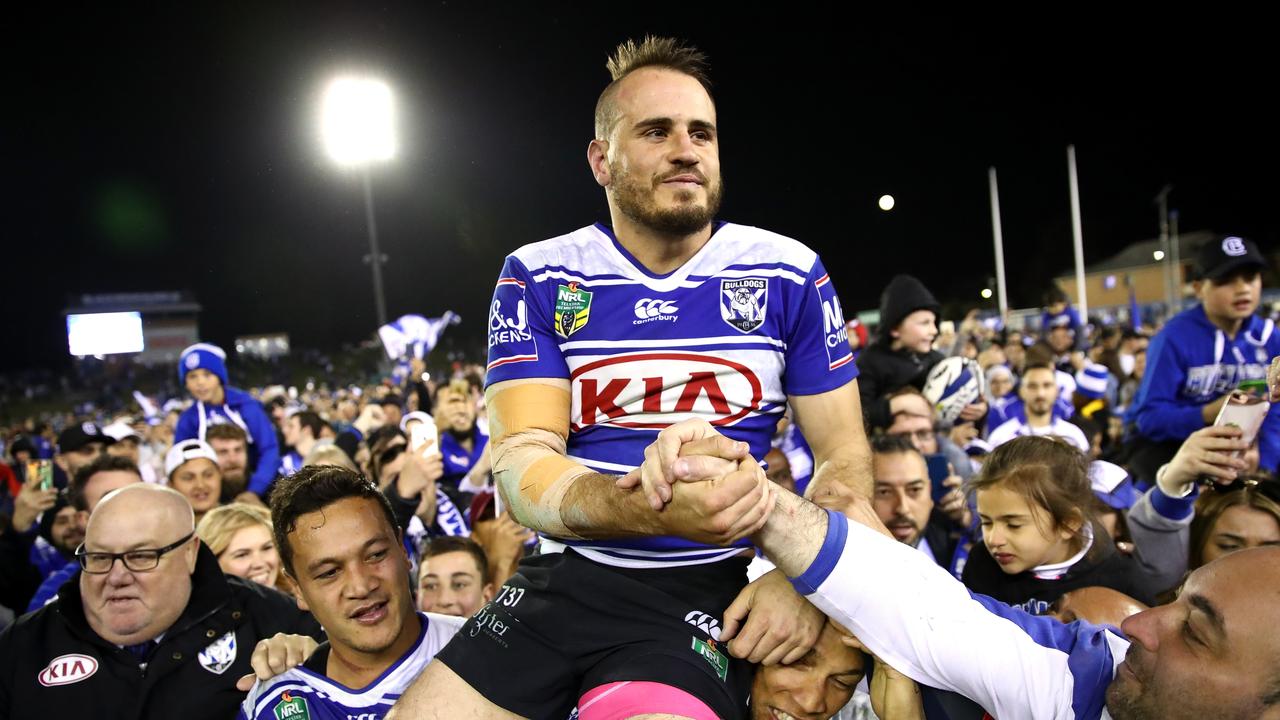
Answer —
(621, 700)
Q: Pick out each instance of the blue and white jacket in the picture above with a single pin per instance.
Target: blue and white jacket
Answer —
(241, 409)
(1190, 363)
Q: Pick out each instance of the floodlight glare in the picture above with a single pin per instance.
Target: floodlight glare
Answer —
(357, 121)
(1157, 255)
(886, 202)
(986, 293)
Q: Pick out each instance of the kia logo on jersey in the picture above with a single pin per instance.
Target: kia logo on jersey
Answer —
(654, 390)
(67, 669)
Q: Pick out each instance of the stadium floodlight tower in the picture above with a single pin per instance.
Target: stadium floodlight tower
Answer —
(357, 127)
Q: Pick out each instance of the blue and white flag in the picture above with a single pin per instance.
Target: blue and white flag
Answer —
(414, 333)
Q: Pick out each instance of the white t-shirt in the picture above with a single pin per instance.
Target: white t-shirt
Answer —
(1019, 428)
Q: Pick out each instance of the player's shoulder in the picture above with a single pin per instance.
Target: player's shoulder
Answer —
(266, 695)
(749, 245)
(444, 626)
(582, 251)
(437, 630)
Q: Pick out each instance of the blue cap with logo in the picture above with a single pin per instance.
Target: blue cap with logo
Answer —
(1221, 257)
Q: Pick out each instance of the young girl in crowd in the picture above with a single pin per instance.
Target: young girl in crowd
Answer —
(1040, 536)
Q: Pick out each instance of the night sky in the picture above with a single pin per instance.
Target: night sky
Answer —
(163, 149)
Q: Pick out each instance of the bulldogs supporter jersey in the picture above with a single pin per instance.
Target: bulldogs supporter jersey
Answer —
(750, 319)
(305, 694)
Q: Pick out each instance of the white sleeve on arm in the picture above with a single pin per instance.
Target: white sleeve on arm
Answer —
(922, 621)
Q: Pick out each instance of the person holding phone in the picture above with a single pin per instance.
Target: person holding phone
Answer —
(1201, 356)
(928, 515)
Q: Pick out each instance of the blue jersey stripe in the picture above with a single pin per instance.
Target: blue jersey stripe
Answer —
(1088, 652)
(691, 348)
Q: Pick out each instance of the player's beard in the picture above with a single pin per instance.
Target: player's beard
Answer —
(636, 200)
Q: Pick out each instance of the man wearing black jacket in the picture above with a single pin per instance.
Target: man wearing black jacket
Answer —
(150, 627)
(903, 500)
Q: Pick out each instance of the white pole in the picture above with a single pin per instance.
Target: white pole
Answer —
(1175, 262)
(1081, 301)
(998, 235)
(1162, 201)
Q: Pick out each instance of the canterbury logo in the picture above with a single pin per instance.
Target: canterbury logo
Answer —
(649, 308)
(705, 623)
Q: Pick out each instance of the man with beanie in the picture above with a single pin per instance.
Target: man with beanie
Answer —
(1095, 389)
(1201, 355)
(902, 353)
(202, 369)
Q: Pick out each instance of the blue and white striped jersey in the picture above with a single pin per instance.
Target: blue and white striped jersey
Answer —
(751, 318)
(923, 622)
(304, 694)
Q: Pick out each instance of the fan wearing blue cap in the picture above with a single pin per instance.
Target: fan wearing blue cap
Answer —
(202, 369)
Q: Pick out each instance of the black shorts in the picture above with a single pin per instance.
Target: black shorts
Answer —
(563, 625)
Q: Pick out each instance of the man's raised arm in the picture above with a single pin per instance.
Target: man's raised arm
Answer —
(915, 617)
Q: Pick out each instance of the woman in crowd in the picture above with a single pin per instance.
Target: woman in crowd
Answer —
(240, 536)
(1245, 514)
(1177, 529)
(1035, 501)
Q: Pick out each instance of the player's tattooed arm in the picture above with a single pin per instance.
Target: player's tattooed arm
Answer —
(832, 425)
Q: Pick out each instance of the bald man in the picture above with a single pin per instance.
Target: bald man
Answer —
(150, 625)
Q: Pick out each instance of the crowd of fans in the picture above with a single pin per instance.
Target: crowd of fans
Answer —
(1034, 497)
(158, 553)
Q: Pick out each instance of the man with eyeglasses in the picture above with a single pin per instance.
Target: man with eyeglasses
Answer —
(150, 626)
(912, 417)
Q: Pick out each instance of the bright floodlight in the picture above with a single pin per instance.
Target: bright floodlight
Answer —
(886, 202)
(1158, 255)
(357, 121)
(986, 293)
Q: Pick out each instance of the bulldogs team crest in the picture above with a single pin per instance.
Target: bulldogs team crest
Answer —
(219, 654)
(573, 309)
(743, 302)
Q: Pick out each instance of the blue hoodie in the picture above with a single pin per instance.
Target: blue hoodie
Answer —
(241, 409)
(1190, 363)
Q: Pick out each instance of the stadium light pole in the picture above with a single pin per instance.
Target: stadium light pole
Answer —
(357, 127)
